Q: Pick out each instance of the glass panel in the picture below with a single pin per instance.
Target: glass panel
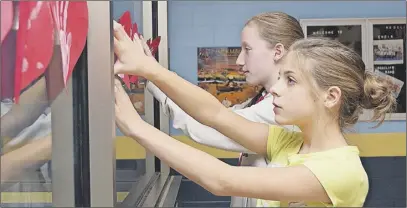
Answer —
(26, 129)
(204, 42)
(130, 156)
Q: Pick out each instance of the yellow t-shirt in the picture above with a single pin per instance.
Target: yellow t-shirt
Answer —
(339, 170)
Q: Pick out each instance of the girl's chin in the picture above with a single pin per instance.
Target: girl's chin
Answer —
(282, 121)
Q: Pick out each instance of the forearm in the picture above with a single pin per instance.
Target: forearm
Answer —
(196, 165)
(33, 103)
(207, 136)
(196, 131)
(201, 105)
(16, 162)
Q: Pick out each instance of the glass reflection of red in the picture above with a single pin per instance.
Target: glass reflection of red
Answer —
(30, 43)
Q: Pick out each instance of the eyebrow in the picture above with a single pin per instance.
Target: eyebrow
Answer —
(244, 43)
(287, 72)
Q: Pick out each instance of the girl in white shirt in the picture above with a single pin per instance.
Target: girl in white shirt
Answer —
(264, 39)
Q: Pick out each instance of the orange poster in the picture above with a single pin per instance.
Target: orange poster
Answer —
(219, 74)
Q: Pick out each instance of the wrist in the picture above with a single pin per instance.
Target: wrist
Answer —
(138, 129)
(152, 68)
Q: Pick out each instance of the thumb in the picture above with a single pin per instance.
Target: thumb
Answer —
(120, 93)
(118, 67)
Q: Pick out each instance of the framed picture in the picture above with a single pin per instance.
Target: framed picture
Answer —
(386, 56)
(350, 32)
(219, 74)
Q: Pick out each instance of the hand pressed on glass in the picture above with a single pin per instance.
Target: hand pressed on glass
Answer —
(126, 115)
(131, 56)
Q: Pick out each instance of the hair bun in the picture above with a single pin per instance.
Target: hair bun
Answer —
(378, 96)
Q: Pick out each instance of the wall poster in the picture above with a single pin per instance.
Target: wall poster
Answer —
(219, 74)
(350, 32)
(387, 39)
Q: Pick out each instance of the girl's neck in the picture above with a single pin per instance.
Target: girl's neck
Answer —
(270, 82)
(321, 136)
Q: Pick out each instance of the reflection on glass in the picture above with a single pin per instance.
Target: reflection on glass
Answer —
(26, 141)
(130, 156)
(26, 130)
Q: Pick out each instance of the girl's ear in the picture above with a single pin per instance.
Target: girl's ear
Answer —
(279, 51)
(332, 97)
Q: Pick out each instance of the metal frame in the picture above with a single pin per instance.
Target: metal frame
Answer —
(139, 191)
(369, 23)
(63, 190)
(148, 97)
(170, 193)
(101, 122)
(164, 61)
(101, 105)
(152, 189)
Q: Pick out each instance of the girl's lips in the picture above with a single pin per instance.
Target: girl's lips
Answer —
(275, 105)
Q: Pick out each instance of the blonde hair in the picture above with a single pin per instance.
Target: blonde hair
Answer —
(274, 28)
(331, 63)
(277, 27)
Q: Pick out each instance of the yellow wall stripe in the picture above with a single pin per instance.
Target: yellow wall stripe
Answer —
(379, 145)
(370, 145)
(38, 197)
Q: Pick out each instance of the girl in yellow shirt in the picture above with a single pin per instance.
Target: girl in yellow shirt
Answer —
(322, 88)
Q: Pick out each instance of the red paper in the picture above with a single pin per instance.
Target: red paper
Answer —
(131, 30)
(34, 45)
(71, 23)
(153, 45)
(125, 20)
(6, 18)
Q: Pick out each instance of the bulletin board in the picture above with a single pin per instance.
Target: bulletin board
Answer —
(380, 41)
(350, 32)
(386, 38)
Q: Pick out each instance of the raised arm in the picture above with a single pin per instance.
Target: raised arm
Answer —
(289, 183)
(206, 109)
(31, 155)
(261, 112)
(200, 105)
(33, 103)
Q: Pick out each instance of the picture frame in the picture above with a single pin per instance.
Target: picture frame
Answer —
(311, 25)
(348, 27)
(395, 65)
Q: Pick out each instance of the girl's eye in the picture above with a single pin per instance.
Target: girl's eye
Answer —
(291, 81)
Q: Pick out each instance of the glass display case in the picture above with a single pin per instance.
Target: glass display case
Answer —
(59, 143)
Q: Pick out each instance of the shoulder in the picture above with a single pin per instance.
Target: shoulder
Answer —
(342, 175)
(281, 139)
